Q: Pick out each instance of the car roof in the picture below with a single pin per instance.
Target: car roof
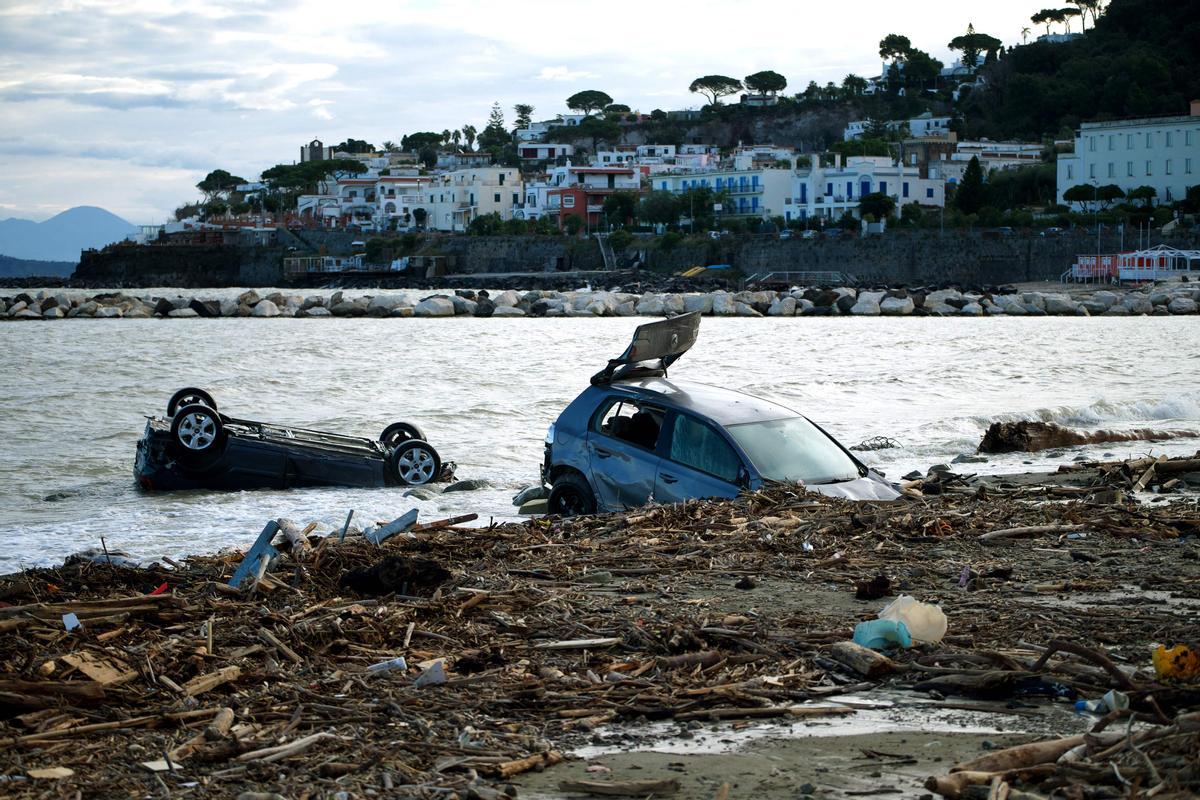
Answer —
(723, 406)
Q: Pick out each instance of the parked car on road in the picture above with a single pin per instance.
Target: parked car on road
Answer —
(635, 436)
(195, 446)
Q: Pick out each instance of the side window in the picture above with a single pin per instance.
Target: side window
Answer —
(630, 422)
(698, 446)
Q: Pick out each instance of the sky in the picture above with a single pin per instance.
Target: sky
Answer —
(127, 104)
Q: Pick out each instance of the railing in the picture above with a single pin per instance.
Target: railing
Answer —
(805, 278)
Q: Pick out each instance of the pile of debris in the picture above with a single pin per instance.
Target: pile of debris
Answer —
(445, 661)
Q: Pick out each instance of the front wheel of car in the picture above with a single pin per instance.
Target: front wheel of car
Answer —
(189, 397)
(398, 432)
(570, 496)
(415, 462)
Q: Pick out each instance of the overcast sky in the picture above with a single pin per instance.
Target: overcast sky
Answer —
(127, 104)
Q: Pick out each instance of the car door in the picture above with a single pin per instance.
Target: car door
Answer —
(623, 455)
(698, 461)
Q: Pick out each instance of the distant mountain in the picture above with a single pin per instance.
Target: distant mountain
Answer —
(23, 268)
(62, 237)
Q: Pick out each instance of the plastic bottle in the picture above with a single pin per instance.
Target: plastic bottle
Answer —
(384, 666)
(926, 623)
(879, 634)
(1111, 701)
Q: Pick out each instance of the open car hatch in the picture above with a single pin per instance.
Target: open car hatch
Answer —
(655, 347)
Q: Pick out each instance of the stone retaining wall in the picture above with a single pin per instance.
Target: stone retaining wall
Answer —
(1174, 298)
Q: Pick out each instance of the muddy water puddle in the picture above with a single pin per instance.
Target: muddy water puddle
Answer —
(887, 748)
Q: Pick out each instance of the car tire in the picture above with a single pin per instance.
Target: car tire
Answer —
(189, 397)
(415, 463)
(570, 496)
(197, 431)
(399, 432)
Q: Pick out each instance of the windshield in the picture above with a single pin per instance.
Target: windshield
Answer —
(793, 449)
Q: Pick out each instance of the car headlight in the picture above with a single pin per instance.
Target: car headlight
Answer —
(550, 434)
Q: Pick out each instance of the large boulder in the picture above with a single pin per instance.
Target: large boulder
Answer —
(484, 307)
(434, 307)
(626, 309)
(314, 311)
(313, 301)
(724, 305)
(462, 305)
(381, 304)
(651, 305)
(353, 308)
(1060, 304)
(1106, 298)
(204, 308)
(29, 313)
(971, 309)
(187, 313)
(229, 308)
(673, 304)
(845, 302)
(745, 310)
(108, 312)
(867, 305)
(263, 308)
(248, 298)
(896, 306)
(1182, 305)
(163, 307)
(56, 312)
(508, 311)
(509, 298)
(783, 307)
(1138, 303)
(698, 302)
(400, 312)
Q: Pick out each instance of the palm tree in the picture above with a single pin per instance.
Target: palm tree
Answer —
(1024, 35)
(456, 135)
(468, 132)
(389, 146)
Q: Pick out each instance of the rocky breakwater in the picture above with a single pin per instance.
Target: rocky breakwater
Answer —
(1165, 299)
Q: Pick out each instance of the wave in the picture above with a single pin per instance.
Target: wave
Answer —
(1106, 412)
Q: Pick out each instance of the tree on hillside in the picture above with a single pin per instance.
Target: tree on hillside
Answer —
(415, 142)
(524, 113)
(456, 137)
(355, 146)
(496, 117)
(971, 44)
(292, 180)
(588, 101)
(1083, 193)
(1024, 35)
(617, 108)
(714, 87)
(469, 132)
(1143, 194)
(921, 70)
(1047, 17)
(218, 183)
(895, 47)
(495, 135)
(970, 194)
(877, 205)
(766, 82)
(853, 85)
(594, 129)
(620, 207)
(1067, 13)
(446, 137)
(1108, 194)
(659, 208)
(388, 146)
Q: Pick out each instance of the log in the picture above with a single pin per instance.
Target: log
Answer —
(622, 788)
(272, 640)
(282, 751)
(1029, 530)
(507, 769)
(133, 722)
(958, 784)
(705, 658)
(1021, 756)
(578, 644)
(220, 725)
(863, 660)
(204, 683)
(301, 549)
(91, 608)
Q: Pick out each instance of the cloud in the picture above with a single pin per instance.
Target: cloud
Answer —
(561, 73)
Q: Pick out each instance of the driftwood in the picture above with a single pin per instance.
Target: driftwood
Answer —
(863, 661)
(622, 788)
(1028, 530)
(1020, 757)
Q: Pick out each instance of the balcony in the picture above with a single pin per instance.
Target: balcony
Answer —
(740, 189)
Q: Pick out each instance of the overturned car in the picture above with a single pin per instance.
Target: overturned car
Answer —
(195, 446)
(634, 436)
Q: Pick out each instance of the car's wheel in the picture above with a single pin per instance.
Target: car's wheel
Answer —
(570, 496)
(399, 432)
(190, 396)
(197, 430)
(415, 462)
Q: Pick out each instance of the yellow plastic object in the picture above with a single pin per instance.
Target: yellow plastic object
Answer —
(1181, 663)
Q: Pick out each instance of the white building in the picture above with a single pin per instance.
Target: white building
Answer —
(453, 199)
(991, 155)
(921, 127)
(762, 155)
(537, 131)
(1162, 152)
(544, 151)
(835, 189)
(750, 192)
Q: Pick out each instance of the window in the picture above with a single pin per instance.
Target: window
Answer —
(1092, 170)
(568, 201)
(929, 193)
(883, 187)
(1187, 166)
(501, 178)
(1168, 165)
(1149, 168)
(1070, 171)
(904, 189)
(1129, 141)
(698, 446)
(496, 197)
(1187, 138)
(1112, 142)
(1167, 139)
(1129, 169)
(792, 449)
(664, 186)
(1111, 169)
(828, 189)
(1092, 143)
(630, 422)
